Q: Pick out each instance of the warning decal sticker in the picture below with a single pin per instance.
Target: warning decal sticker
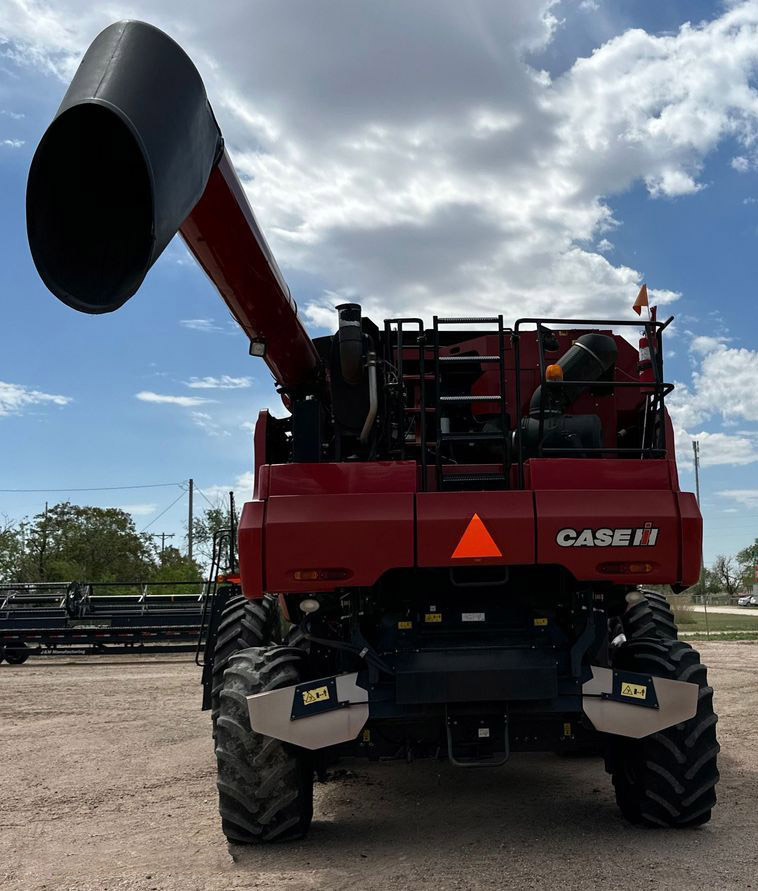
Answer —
(316, 694)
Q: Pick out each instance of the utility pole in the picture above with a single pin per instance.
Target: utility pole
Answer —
(163, 536)
(703, 595)
(189, 520)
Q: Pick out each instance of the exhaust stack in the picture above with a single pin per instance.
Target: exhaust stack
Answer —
(133, 155)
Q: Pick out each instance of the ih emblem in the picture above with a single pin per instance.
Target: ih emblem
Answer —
(476, 542)
(317, 694)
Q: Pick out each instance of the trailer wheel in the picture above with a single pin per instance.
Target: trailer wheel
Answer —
(17, 656)
(265, 787)
(651, 616)
(668, 778)
(244, 623)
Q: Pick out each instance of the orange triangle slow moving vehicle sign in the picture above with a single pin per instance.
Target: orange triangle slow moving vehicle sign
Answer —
(476, 542)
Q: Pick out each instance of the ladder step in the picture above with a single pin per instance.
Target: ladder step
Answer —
(473, 437)
(470, 398)
(469, 358)
(467, 320)
(473, 478)
(417, 377)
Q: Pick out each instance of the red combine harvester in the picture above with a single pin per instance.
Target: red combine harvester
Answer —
(444, 550)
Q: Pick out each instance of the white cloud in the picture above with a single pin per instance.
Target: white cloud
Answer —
(716, 449)
(139, 510)
(207, 326)
(420, 162)
(14, 398)
(225, 382)
(703, 343)
(723, 385)
(746, 497)
(721, 390)
(206, 422)
(740, 164)
(162, 399)
(242, 488)
(12, 143)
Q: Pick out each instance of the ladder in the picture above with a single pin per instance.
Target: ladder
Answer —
(443, 399)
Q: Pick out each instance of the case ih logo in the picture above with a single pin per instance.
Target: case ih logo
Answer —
(608, 538)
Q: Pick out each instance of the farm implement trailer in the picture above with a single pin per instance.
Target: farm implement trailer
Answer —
(79, 618)
(450, 532)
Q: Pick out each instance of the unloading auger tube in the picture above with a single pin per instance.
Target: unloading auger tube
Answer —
(133, 156)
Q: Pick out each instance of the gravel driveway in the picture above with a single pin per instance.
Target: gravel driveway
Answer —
(107, 782)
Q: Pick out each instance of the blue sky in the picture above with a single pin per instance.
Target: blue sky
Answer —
(497, 155)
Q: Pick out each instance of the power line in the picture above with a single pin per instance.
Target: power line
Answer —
(164, 511)
(210, 503)
(96, 488)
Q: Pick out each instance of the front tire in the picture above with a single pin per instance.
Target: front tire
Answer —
(669, 777)
(265, 786)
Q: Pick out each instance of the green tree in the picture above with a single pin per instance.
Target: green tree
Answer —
(747, 559)
(173, 566)
(11, 550)
(725, 574)
(205, 526)
(95, 544)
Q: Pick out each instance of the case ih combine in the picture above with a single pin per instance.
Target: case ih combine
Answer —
(444, 550)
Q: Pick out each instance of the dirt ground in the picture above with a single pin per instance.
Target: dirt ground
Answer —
(107, 782)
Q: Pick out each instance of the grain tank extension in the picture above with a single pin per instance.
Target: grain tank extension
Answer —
(453, 532)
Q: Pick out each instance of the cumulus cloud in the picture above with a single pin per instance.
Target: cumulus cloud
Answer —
(721, 390)
(722, 385)
(701, 344)
(164, 399)
(15, 398)
(225, 382)
(716, 448)
(417, 160)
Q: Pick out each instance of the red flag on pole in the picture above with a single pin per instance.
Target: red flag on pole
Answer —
(641, 300)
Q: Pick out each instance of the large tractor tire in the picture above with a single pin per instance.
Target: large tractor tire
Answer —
(244, 623)
(265, 786)
(650, 616)
(668, 778)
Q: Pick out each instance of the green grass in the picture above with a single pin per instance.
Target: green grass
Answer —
(726, 635)
(716, 622)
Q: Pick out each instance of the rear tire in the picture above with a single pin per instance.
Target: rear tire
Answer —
(650, 616)
(265, 786)
(668, 778)
(244, 623)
